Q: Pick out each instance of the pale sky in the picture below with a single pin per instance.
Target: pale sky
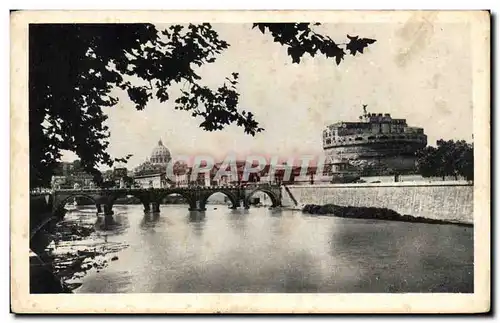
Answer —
(421, 72)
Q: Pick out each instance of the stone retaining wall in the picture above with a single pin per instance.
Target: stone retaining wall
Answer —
(451, 201)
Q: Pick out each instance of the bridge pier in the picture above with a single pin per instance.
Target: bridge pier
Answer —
(244, 204)
(108, 219)
(108, 210)
(151, 207)
(99, 208)
(108, 215)
(201, 206)
(195, 206)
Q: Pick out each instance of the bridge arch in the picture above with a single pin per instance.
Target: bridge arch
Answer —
(59, 205)
(272, 195)
(190, 200)
(232, 198)
(144, 199)
(116, 195)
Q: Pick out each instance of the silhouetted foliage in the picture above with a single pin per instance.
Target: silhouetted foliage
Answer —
(301, 39)
(449, 158)
(75, 67)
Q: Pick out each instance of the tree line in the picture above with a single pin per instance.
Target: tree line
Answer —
(448, 159)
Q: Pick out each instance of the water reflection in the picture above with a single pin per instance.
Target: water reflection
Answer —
(150, 219)
(275, 212)
(276, 250)
(196, 220)
(116, 224)
(379, 256)
(196, 216)
(238, 220)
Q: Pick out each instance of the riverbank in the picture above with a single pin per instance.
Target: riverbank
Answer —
(356, 212)
(78, 244)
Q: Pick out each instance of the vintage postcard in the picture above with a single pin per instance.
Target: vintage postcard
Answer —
(250, 162)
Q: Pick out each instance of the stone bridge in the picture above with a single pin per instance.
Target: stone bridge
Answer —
(151, 198)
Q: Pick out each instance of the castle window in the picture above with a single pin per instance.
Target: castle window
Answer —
(383, 137)
(371, 138)
(358, 138)
(328, 141)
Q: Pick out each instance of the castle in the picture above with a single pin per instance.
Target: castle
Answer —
(376, 145)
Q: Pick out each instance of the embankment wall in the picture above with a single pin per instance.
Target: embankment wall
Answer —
(438, 200)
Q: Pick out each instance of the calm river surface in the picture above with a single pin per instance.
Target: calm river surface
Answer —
(262, 250)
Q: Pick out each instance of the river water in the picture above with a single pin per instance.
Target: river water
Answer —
(263, 250)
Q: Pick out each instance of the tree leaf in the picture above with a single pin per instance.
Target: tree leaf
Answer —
(262, 28)
(358, 44)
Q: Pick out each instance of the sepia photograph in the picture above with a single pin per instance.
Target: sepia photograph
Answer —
(208, 162)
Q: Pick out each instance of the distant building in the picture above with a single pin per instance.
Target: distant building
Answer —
(71, 176)
(157, 180)
(152, 173)
(377, 144)
(120, 172)
(83, 179)
(120, 177)
(58, 182)
(77, 181)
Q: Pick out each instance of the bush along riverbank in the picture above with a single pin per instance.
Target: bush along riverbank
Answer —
(371, 213)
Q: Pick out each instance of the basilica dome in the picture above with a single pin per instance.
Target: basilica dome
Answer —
(160, 154)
